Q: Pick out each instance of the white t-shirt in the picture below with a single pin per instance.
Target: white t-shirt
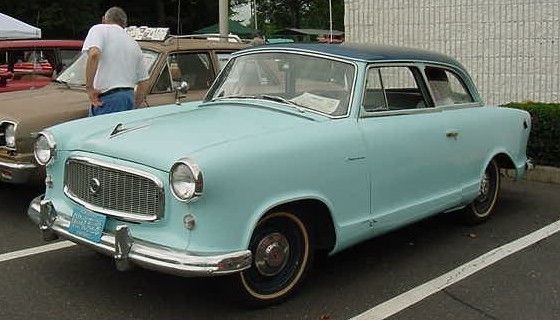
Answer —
(121, 64)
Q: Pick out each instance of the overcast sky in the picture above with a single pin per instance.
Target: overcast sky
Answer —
(244, 14)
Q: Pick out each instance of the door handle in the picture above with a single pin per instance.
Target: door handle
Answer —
(452, 134)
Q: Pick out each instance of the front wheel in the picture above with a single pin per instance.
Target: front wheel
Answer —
(482, 207)
(282, 255)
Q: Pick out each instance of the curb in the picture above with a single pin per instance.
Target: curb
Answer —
(543, 174)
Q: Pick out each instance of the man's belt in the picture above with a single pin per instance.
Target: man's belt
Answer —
(114, 90)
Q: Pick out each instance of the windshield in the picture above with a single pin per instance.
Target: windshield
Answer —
(319, 84)
(75, 74)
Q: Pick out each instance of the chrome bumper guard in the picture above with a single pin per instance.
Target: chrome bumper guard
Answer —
(128, 251)
(529, 165)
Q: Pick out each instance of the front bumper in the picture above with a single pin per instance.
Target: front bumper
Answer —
(14, 172)
(127, 251)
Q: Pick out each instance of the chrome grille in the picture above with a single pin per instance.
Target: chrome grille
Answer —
(113, 190)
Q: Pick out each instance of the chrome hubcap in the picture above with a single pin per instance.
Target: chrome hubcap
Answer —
(484, 187)
(272, 253)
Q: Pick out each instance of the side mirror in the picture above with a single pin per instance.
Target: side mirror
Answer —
(181, 91)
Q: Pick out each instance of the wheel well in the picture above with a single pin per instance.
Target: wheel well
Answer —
(317, 217)
(504, 161)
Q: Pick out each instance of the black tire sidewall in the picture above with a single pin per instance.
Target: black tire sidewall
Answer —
(472, 213)
(288, 280)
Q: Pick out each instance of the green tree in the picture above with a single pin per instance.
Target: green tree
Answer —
(56, 19)
(318, 15)
(275, 15)
(72, 19)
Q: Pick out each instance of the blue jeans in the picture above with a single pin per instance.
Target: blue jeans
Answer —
(117, 101)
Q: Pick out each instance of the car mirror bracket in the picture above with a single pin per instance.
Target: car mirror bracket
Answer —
(181, 91)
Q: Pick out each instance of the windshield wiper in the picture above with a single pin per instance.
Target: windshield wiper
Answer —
(282, 100)
(263, 97)
(234, 97)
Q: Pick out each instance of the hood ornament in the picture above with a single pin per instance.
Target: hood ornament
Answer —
(120, 129)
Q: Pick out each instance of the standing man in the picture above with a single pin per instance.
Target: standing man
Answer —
(114, 66)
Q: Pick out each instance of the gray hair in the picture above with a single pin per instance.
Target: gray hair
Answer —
(116, 15)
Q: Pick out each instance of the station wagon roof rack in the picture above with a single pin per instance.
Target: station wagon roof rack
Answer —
(147, 33)
(144, 33)
(206, 36)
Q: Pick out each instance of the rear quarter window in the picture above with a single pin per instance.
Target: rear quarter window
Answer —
(447, 87)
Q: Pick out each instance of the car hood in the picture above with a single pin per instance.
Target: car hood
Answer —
(158, 141)
(49, 100)
(34, 110)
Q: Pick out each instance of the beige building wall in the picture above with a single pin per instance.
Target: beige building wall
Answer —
(510, 47)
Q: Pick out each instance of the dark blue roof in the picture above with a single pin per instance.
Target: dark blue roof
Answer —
(367, 52)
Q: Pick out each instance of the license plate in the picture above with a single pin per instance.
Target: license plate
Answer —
(88, 225)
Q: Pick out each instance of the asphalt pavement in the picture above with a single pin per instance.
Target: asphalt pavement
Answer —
(76, 283)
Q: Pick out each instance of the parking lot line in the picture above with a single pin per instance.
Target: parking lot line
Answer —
(415, 295)
(35, 250)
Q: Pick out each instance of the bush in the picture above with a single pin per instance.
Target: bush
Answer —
(544, 141)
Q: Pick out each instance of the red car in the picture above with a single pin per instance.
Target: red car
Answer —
(29, 64)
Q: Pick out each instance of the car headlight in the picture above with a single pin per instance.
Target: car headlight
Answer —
(185, 179)
(45, 148)
(10, 135)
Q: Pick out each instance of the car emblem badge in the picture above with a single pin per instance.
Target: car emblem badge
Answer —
(94, 186)
(118, 129)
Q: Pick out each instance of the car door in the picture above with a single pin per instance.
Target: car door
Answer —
(406, 147)
(465, 125)
(161, 91)
(194, 68)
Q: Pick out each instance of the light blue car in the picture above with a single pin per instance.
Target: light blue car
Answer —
(297, 149)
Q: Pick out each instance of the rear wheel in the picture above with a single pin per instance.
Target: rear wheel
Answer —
(482, 207)
(282, 255)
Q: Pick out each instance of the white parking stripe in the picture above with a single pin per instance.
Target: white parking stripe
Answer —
(407, 299)
(35, 250)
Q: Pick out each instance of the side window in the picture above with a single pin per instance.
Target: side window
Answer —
(67, 56)
(163, 83)
(223, 58)
(194, 68)
(446, 87)
(392, 88)
(374, 99)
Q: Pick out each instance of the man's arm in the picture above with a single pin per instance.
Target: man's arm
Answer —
(142, 78)
(91, 69)
(141, 91)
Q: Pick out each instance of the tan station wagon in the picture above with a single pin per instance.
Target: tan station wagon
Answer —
(173, 64)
